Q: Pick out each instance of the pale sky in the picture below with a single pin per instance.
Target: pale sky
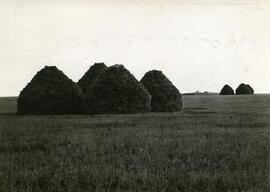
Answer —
(199, 45)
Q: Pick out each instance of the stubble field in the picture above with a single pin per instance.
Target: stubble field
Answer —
(216, 143)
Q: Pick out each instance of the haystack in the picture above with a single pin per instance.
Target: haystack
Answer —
(244, 89)
(250, 89)
(50, 92)
(165, 96)
(226, 90)
(116, 90)
(89, 77)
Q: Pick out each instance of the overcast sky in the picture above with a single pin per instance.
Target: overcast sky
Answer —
(199, 45)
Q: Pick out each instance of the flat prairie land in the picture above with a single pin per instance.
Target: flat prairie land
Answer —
(216, 143)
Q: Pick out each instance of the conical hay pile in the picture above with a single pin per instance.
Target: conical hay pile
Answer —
(244, 89)
(50, 92)
(165, 96)
(116, 90)
(226, 90)
(90, 76)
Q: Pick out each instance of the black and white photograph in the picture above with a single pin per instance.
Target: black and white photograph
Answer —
(134, 96)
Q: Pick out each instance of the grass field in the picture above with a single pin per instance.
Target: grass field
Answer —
(216, 143)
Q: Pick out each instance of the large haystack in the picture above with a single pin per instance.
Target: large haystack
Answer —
(116, 90)
(244, 89)
(90, 76)
(165, 96)
(50, 92)
(226, 90)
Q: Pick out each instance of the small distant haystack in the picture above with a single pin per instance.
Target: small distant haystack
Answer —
(244, 89)
(50, 92)
(165, 96)
(89, 77)
(116, 90)
(226, 90)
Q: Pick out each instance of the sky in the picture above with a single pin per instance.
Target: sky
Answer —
(198, 44)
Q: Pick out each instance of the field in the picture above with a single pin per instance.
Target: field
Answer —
(216, 143)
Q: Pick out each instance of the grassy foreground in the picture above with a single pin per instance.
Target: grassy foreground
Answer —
(217, 143)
